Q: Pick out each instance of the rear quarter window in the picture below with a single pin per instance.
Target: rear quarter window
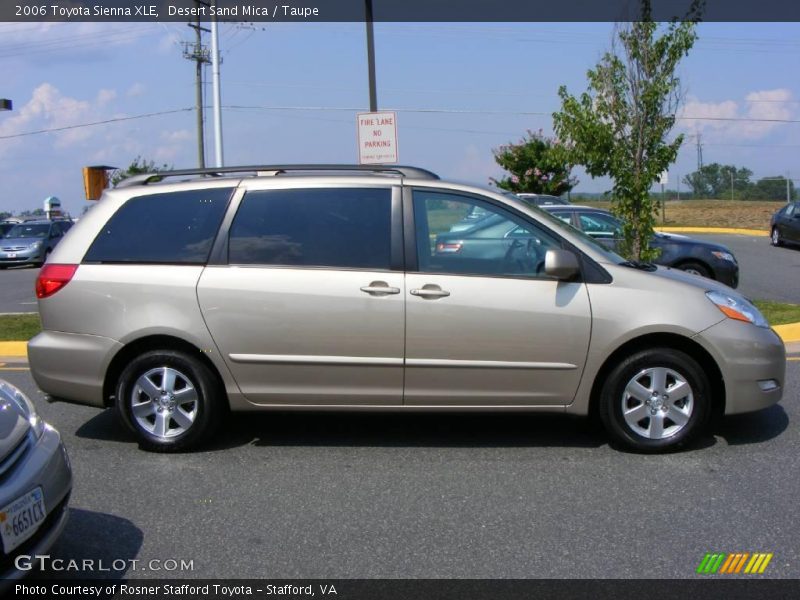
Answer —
(169, 228)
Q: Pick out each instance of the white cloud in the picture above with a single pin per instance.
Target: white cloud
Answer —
(762, 106)
(105, 96)
(48, 108)
(137, 89)
(178, 136)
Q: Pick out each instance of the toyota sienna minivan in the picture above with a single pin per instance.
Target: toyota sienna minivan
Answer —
(186, 294)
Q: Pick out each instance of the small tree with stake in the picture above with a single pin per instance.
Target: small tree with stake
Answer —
(619, 127)
(139, 166)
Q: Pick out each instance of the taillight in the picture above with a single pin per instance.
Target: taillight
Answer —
(52, 278)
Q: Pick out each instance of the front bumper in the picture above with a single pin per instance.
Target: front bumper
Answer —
(726, 272)
(45, 465)
(22, 257)
(752, 361)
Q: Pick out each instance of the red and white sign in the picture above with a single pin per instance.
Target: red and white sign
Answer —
(377, 138)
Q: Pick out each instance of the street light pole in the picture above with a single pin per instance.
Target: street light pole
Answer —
(219, 160)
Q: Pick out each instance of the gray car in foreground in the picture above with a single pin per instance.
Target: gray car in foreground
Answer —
(35, 482)
(183, 295)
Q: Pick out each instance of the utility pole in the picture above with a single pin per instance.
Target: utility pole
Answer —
(731, 184)
(373, 95)
(788, 189)
(699, 152)
(199, 54)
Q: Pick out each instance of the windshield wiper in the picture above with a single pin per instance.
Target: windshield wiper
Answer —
(642, 266)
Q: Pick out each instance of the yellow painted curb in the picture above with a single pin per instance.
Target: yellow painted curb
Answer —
(13, 348)
(758, 232)
(788, 333)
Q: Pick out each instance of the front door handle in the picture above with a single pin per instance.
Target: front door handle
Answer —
(430, 291)
(379, 288)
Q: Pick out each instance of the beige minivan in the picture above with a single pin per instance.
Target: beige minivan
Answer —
(186, 294)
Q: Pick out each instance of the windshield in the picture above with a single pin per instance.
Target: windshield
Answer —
(29, 231)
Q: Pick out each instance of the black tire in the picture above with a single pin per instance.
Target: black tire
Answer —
(190, 374)
(614, 396)
(697, 269)
(775, 237)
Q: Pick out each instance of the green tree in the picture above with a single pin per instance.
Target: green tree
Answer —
(139, 166)
(36, 212)
(772, 188)
(716, 180)
(619, 127)
(537, 164)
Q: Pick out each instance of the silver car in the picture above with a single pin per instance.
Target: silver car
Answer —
(183, 295)
(36, 481)
(31, 242)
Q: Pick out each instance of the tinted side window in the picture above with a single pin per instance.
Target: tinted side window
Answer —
(176, 227)
(335, 227)
(498, 243)
(600, 225)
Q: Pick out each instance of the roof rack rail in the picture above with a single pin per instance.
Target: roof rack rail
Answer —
(404, 171)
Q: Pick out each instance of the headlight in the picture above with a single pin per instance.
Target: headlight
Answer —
(35, 245)
(736, 307)
(724, 256)
(24, 405)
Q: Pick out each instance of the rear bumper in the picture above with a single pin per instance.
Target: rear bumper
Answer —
(47, 466)
(752, 361)
(71, 366)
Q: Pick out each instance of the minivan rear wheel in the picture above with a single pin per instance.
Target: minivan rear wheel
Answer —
(655, 400)
(170, 400)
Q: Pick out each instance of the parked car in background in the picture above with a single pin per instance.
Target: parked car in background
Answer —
(544, 199)
(36, 482)
(31, 242)
(344, 286)
(678, 251)
(784, 226)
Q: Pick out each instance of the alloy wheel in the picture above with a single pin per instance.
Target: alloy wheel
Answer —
(657, 403)
(164, 402)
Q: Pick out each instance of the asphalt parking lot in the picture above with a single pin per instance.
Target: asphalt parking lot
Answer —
(439, 496)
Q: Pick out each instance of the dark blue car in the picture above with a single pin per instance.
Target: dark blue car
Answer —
(678, 251)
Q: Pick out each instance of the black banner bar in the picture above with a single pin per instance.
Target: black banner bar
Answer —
(390, 10)
(739, 588)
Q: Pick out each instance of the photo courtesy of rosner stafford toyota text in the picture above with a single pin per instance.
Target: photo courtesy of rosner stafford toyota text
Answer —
(399, 299)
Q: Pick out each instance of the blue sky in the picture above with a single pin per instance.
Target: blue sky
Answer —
(479, 78)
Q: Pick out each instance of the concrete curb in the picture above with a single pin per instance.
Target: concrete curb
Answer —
(14, 349)
(754, 232)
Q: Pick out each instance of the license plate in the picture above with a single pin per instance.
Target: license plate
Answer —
(20, 519)
(11, 255)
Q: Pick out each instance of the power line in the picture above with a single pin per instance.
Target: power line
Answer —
(104, 122)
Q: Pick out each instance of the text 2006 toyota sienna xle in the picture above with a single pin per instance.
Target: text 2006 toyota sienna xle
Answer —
(182, 295)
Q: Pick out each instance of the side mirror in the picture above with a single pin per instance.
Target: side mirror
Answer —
(561, 264)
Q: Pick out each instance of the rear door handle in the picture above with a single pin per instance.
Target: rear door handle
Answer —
(379, 288)
(430, 291)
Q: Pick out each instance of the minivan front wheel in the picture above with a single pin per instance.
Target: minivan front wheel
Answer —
(170, 400)
(655, 400)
